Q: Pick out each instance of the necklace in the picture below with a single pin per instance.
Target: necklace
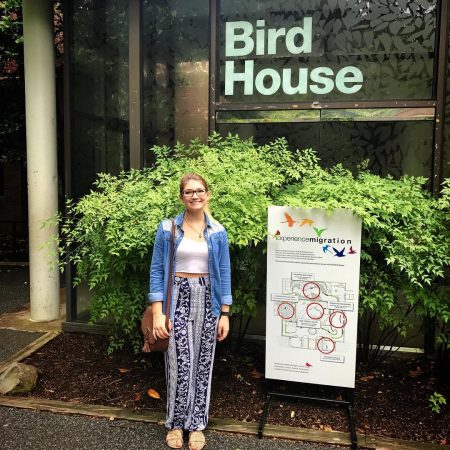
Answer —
(198, 232)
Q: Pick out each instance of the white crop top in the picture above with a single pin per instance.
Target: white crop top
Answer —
(192, 256)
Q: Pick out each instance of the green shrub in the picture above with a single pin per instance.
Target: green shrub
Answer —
(112, 229)
(404, 250)
(405, 230)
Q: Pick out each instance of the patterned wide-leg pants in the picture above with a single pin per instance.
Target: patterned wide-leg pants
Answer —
(189, 358)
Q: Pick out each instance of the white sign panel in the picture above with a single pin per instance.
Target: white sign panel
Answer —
(312, 295)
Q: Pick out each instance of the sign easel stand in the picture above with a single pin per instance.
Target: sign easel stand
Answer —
(349, 403)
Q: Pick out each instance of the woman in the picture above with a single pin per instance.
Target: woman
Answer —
(199, 309)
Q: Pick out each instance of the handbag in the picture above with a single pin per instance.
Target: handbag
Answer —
(150, 343)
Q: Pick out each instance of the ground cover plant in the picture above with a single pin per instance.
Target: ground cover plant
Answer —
(405, 248)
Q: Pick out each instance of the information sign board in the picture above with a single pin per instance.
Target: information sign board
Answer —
(313, 260)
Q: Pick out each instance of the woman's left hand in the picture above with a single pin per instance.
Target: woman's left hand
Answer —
(223, 328)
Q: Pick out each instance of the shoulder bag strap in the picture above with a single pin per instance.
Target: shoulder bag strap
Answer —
(169, 284)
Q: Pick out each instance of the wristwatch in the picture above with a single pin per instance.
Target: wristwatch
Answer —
(225, 313)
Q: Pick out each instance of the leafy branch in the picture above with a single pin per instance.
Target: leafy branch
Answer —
(405, 243)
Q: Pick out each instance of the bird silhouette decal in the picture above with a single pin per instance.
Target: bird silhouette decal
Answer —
(308, 364)
(339, 253)
(326, 249)
(306, 222)
(289, 220)
(319, 231)
(351, 251)
(277, 233)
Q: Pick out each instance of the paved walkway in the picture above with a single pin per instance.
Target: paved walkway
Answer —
(14, 288)
(11, 341)
(15, 301)
(22, 429)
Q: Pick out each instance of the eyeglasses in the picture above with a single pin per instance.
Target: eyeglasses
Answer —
(191, 192)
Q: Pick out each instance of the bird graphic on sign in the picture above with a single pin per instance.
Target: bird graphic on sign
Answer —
(351, 251)
(289, 220)
(319, 231)
(306, 222)
(339, 253)
(326, 249)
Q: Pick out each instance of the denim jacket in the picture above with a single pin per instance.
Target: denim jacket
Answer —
(218, 263)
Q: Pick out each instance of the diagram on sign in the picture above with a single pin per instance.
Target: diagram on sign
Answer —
(314, 315)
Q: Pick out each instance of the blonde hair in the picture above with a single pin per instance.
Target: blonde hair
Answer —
(195, 176)
(192, 176)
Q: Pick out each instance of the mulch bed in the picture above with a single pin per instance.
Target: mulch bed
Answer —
(391, 401)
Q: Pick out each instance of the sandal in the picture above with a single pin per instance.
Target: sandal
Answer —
(196, 440)
(174, 438)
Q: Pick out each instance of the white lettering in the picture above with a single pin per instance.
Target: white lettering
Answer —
(350, 74)
(231, 77)
(272, 36)
(318, 75)
(259, 81)
(242, 39)
(305, 32)
(302, 85)
(231, 38)
(260, 38)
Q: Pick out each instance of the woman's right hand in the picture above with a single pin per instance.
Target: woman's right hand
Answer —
(159, 327)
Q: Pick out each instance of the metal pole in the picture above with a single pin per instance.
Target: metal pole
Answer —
(135, 83)
(441, 75)
(213, 61)
(40, 103)
(71, 295)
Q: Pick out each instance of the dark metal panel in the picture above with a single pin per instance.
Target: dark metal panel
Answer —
(327, 105)
(135, 82)
(71, 299)
(438, 147)
(436, 48)
(213, 63)
(67, 27)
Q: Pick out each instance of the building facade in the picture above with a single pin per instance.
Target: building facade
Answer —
(356, 80)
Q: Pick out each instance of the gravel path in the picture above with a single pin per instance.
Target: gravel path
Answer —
(11, 341)
(14, 288)
(22, 429)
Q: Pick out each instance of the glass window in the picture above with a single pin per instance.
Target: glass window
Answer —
(302, 50)
(176, 71)
(99, 91)
(327, 115)
(393, 148)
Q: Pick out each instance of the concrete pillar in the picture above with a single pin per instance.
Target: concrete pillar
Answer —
(42, 171)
